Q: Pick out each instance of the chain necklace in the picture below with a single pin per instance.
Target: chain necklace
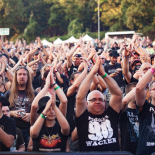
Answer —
(49, 134)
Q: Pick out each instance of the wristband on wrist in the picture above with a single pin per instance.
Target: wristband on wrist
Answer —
(138, 46)
(53, 84)
(104, 75)
(55, 71)
(78, 46)
(42, 116)
(126, 57)
(56, 88)
(152, 70)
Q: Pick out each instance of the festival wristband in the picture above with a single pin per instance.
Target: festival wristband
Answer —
(53, 84)
(104, 75)
(126, 58)
(152, 70)
(42, 116)
(56, 88)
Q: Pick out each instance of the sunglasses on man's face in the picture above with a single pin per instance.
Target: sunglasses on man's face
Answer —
(102, 58)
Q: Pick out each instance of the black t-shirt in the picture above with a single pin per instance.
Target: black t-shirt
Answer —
(132, 80)
(15, 59)
(21, 103)
(115, 48)
(98, 132)
(50, 139)
(18, 141)
(70, 116)
(65, 84)
(8, 126)
(99, 49)
(106, 62)
(129, 127)
(146, 143)
(109, 69)
(36, 82)
(72, 70)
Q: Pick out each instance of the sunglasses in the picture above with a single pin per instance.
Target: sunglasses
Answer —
(102, 58)
(20, 67)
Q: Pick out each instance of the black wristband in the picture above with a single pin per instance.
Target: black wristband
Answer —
(6, 69)
(53, 84)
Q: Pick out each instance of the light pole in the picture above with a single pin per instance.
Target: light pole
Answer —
(99, 19)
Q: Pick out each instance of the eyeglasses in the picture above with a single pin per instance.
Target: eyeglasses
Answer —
(102, 58)
(95, 99)
(19, 67)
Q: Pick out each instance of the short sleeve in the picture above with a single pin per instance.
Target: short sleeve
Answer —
(113, 113)
(20, 140)
(82, 117)
(10, 127)
(6, 95)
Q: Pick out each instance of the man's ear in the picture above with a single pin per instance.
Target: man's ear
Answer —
(72, 81)
(87, 104)
(0, 104)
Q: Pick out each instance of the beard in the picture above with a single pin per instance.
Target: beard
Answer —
(113, 62)
(22, 85)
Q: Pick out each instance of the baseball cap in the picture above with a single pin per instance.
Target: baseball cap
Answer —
(77, 55)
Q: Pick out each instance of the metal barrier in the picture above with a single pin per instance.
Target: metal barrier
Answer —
(67, 153)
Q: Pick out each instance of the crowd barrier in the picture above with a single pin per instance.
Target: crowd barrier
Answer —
(70, 153)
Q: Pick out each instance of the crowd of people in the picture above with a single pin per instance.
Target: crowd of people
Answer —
(82, 97)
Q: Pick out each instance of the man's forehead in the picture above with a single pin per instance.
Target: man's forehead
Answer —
(5, 108)
(22, 70)
(146, 65)
(95, 94)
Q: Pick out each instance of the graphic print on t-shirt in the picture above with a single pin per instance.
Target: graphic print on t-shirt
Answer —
(133, 126)
(48, 142)
(22, 103)
(100, 131)
(151, 127)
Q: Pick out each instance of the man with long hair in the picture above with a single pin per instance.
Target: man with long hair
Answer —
(20, 97)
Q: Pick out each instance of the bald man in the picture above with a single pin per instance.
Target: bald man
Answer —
(97, 125)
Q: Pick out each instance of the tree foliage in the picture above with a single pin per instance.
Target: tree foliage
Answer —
(61, 17)
(75, 27)
(32, 30)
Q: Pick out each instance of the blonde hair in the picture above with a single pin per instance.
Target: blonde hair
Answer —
(43, 70)
(14, 89)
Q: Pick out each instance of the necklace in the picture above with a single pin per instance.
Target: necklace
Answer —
(49, 134)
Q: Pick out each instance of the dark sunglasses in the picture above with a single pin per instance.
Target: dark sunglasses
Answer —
(19, 67)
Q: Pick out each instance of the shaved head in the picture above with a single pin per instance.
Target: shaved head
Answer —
(92, 92)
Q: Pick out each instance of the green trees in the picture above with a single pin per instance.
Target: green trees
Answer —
(57, 20)
(62, 17)
(32, 30)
